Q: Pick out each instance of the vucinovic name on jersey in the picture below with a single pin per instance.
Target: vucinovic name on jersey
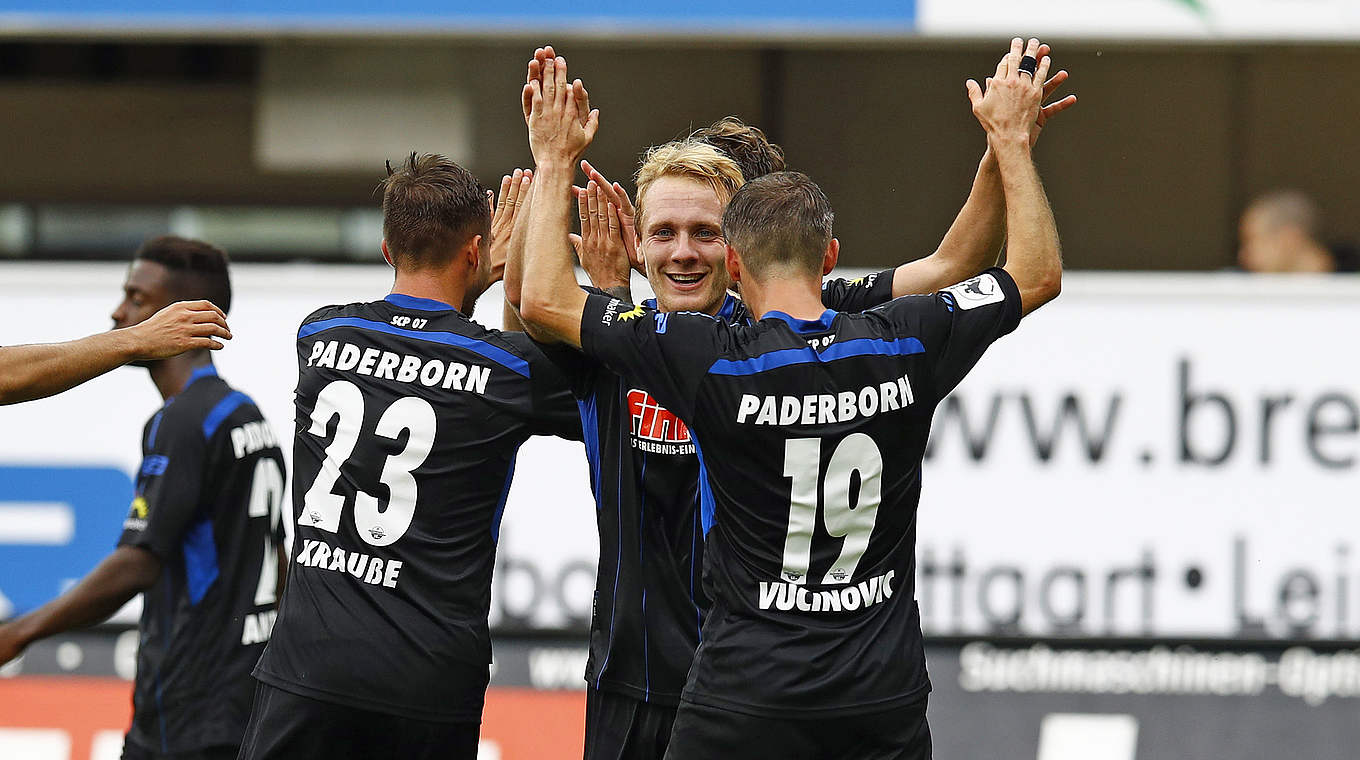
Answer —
(403, 368)
(791, 596)
(826, 408)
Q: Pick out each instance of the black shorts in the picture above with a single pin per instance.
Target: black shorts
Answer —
(899, 733)
(287, 726)
(620, 727)
(133, 751)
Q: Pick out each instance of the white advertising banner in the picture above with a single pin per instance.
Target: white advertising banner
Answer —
(1143, 19)
(1151, 455)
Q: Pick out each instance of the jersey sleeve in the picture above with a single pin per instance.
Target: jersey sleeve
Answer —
(957, 324)
(168, 486)
(552, 406)
(860, 293)
(669, 353)
(579, 369)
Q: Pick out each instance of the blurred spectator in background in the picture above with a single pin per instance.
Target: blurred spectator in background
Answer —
(1280, 232)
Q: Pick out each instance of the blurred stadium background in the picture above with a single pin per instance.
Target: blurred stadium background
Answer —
(1140, 512)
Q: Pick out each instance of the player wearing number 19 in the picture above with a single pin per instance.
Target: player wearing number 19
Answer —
(810, 427)
(409, 416)
(203, 539)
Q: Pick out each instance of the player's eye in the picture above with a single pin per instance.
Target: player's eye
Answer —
(663, 232)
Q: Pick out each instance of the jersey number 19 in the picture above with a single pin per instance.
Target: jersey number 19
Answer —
(856, 459)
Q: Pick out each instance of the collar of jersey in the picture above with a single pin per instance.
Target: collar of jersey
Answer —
(729, 307)
(195, 376)
(820, 324)
(199, 374)
(419, 304)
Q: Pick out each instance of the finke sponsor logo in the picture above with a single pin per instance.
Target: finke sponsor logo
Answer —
(656, 429)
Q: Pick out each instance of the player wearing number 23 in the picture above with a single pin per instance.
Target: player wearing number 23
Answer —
(409, 415)
(202, 539)
(810, 427)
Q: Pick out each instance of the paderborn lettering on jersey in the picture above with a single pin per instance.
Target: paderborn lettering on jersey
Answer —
(826, 408)
(386, 365)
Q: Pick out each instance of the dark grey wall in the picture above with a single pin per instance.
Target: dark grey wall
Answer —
(1149, 171)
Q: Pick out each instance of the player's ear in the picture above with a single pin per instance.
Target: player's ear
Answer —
(474, 252)
(833, 253)
(387, 255)
(733, 264)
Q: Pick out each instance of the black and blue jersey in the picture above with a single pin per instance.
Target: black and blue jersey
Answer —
(409, 416)
(809, 436)
(644, 472)
(207, 503)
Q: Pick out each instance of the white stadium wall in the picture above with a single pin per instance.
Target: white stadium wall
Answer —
(1149, 456)
(1138, 533)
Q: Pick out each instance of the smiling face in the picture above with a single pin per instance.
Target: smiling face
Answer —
(682, 245)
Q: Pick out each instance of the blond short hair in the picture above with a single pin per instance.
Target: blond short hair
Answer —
(691, 159)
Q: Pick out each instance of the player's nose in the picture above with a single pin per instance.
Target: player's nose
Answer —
(684, 250)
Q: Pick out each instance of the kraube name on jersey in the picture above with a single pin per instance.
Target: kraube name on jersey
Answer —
(403, 368)
(826, 408)
(371, 570)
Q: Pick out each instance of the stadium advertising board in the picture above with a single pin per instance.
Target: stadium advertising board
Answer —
(68, 699)
(615, 17)
(1112, 19)
(1148, 457)
(1143, 19)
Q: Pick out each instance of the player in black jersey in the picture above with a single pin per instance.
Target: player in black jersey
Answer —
(203, 540)
(645, 472)
(810, 426)
(409, 416)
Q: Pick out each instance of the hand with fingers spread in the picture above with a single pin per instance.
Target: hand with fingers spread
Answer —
(561, 122)
(1012, 102)
(600, 246)
(514, 194)
(614, 193)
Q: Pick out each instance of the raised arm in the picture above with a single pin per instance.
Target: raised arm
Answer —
(974, 239)
(36, 371)
(561, 127)
(126, 572)
(1010, 104)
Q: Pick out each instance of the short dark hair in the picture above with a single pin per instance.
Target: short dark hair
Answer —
(779, 221)
(745, 144)
(431, 207)
(199, 269)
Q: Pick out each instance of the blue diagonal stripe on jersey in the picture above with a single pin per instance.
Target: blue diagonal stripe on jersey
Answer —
(481, 347)
(219, 414)
(790, 356)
